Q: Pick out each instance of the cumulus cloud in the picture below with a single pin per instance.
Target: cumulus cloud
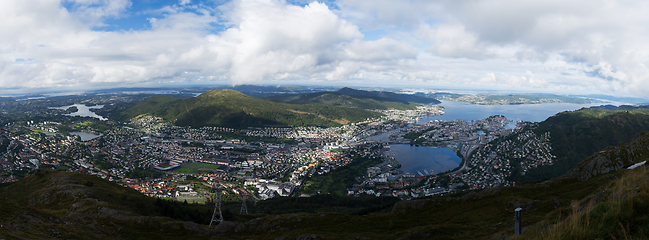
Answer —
(270, 38)
(596, 46)
(262, 40)
(452, 40)
(602, 38)
(601, 41)
(93, 12)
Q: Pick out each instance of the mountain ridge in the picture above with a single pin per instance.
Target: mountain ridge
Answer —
(55, 204)
(613, 158)
(353, 98)
(577, 135)
(230, 108)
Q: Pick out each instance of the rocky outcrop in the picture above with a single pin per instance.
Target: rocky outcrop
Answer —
(613, 158)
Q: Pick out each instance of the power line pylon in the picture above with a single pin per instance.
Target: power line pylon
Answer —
(218, 215)
(244, 208)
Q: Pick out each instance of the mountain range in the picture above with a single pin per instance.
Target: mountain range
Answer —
(229, 108)
(351, 98)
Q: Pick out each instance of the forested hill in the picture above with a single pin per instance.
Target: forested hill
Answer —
(579, 134)
(635, 150)
(348, 97)
(229, 108)
(388, 95)
(56, 204)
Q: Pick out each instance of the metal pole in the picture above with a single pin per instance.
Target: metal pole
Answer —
(517, 221)
(217, 216)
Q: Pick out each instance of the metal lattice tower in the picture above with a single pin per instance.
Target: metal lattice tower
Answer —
(218, 215)
(244, 208)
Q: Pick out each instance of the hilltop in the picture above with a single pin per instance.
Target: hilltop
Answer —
(352, 98)
(613, 158)
(579, 134)
(388, 95)
(229, 108)
(54, 204)
(617, 209)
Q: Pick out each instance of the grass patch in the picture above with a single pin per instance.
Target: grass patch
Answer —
(192, 200)
(620, 211)
(62, 168)
(197, 168)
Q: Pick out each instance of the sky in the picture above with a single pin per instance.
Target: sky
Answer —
(546, 46)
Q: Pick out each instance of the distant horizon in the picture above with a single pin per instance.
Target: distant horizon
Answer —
(463, 90)
(404, 90)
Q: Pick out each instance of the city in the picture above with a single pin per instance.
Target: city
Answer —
(161, 160)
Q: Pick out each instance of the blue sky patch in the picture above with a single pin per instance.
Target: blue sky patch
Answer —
(25, 61)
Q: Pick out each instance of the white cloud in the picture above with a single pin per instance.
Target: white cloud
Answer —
(273, 38)
(93, 12)
(602, 42)
(606, 37)
(489, 78)
(267, 39)
(597, 46)
(452, 40)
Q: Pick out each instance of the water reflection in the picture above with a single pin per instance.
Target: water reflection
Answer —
(82, 111)
(423, 160)
(525, 112)
(85, 136)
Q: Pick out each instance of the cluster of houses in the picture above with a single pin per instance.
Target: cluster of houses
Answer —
(269, 189)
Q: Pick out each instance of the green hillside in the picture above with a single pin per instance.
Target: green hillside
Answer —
(351, 98)
(53, 204)
(70, 205)
(613, 158)
(229, 108)
(388, 95)
(579, 134)
(336, 99)
(618, 211)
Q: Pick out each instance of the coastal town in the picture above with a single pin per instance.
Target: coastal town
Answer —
(162, 160)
